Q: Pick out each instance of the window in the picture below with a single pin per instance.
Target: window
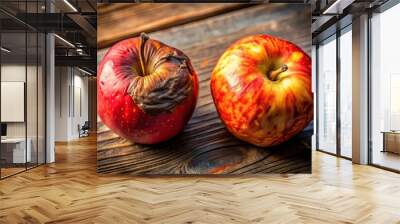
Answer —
(22, 101)
(327, 96)
(345, 92)
(334, 106)
(385, 89)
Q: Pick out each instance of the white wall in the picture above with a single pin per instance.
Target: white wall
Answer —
(33, 127)
(71, 94)
(80, 103)
(61, 103)
(16, 73)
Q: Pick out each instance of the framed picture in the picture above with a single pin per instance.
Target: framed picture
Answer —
(239, 100)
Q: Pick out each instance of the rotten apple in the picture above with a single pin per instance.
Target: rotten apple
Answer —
(261, 87)
(147, 90)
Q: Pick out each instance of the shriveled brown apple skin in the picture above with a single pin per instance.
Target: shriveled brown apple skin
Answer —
(147, 90)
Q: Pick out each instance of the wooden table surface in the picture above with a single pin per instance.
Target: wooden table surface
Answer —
(203, 32)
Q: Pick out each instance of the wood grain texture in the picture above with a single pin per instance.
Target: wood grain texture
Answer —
(205, 146)
(70, 191)
(120, 21)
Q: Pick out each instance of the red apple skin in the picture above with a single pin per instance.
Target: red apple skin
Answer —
(119, 78)
(261, 87)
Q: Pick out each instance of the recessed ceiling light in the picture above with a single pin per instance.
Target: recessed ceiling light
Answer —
(84, 71)
(70, 5)
(337, 7)
(5, 50)
(64, 40)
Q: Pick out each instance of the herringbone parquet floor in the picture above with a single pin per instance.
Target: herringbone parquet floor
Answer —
(70, 191)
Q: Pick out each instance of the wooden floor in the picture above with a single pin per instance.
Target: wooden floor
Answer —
(70, 191)
(10, 171)
(386, 159)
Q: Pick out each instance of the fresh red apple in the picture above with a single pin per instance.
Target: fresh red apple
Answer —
(147, 90)
(261, 87)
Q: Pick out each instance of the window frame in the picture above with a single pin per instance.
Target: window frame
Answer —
(333, 37)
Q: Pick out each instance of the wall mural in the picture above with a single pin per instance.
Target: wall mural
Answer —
(217, 89)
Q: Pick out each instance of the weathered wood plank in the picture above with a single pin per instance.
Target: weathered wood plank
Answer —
(205, 146)
(120, 21)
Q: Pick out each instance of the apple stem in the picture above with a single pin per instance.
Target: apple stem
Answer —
(143, 39)
(274, 74)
